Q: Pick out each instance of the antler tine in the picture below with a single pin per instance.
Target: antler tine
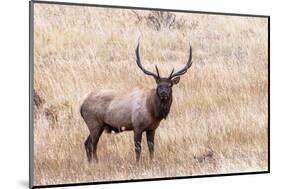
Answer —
(138, 61)
(158, 75)
(185, 68)
(172, 72)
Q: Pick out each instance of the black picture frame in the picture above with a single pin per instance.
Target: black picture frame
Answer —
(31, 79)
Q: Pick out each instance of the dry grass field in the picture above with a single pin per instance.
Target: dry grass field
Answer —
(218, 121)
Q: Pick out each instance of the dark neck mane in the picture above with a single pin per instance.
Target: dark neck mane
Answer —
(158, 108)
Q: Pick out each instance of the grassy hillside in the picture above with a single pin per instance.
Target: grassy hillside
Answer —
(218, 120)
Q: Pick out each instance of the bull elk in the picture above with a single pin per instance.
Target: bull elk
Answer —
(138, 110)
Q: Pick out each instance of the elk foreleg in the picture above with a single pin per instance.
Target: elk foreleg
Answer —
(137, 140)
(150, 142)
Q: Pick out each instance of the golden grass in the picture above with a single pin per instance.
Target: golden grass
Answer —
(219, 108)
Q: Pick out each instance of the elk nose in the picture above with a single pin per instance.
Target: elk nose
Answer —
(163, 94)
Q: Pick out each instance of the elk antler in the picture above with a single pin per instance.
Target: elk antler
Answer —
(138, 61)
(185, 68)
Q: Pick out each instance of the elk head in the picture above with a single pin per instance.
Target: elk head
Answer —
(165, 84)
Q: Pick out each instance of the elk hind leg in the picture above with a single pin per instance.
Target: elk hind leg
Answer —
(95, 136)
(89, 148)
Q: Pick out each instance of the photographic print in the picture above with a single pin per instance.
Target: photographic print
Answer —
(126, 94)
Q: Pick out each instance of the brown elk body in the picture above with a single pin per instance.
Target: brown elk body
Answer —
(137, 110)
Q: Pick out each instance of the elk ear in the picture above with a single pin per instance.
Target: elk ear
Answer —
(176, 80)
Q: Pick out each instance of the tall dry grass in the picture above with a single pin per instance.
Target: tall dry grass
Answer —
(218, 121)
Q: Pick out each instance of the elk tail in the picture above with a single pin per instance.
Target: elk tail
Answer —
(81, 112)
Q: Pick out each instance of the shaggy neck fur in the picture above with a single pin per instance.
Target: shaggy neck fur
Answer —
(158, 108)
